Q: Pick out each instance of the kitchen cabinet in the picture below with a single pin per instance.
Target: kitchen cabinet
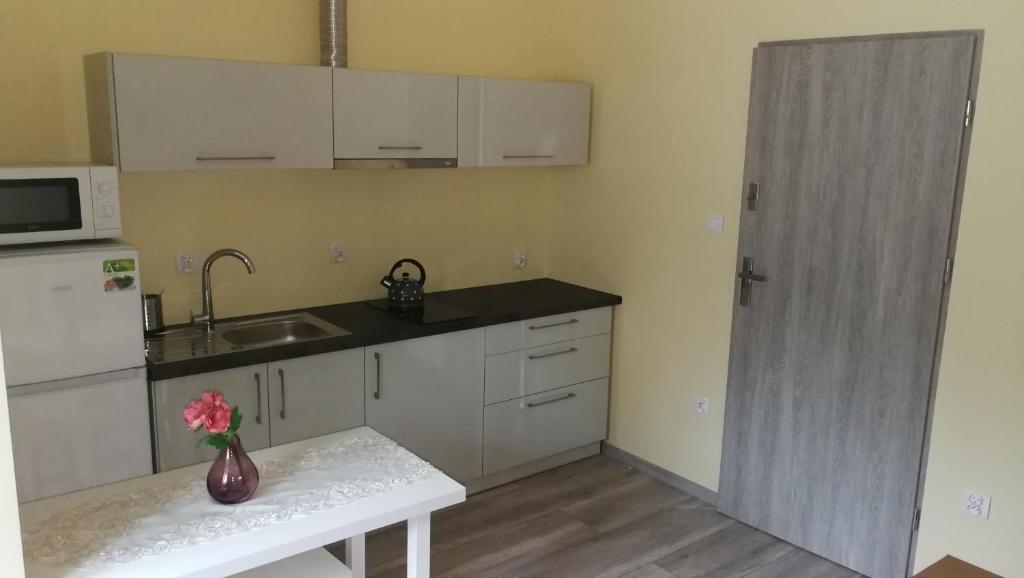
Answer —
(523, 122)
(395, 115)
(522, 430)
(160, 113)
(427, 394)
(281, 402)
(245, 387)
(316, 395)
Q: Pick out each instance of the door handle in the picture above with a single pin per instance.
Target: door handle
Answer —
(280, 374)
(747, 278)
(259, 399)
(376, 358)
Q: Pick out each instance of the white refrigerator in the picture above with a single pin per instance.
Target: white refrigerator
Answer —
(74, 357)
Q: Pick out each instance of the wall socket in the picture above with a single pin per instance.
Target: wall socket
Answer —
(978, 505)
(185, 263)
(339, 252)
(519, 260)
(701, 404)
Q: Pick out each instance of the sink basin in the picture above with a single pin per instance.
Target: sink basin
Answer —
(278, 330)
(193, 342)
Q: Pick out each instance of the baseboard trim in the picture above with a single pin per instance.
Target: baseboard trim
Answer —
(661, 474)
(526, 470)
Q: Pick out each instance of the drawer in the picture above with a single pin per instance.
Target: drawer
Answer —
(546, 330)
(530, 428)
(518, 373)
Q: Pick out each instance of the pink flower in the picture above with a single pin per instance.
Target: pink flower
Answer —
(218, 418)
(195, 413)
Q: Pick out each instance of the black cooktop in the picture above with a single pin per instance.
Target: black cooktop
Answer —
(433, 311)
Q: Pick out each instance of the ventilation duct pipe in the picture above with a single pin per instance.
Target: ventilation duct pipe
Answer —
(334, 33)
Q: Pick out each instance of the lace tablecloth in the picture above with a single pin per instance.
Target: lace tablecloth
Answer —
(152, 520)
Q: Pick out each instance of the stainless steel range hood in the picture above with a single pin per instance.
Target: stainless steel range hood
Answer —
(334, 52)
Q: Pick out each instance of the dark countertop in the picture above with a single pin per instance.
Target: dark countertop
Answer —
(493, 304)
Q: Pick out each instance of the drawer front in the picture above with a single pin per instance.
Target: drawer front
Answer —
(518, 373)
(546, 330)
(530, 428)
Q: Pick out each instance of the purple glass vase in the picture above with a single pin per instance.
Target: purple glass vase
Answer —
(233, 477)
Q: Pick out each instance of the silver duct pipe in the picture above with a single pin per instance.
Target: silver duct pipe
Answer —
(334, 33)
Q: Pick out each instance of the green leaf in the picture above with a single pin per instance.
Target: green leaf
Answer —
(236, 419)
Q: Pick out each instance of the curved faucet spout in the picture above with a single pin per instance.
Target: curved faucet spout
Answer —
(207, 318)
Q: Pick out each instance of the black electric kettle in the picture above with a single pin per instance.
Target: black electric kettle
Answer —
(405, 293)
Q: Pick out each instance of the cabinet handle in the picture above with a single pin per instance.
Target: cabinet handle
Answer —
(553, 353)
(555, 324)
(259, 399)
(239, 158)
(552, 400)
(376, 358)
(512, 157)
(399, 148)
(280, 373)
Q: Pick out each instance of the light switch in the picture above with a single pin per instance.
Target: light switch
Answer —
(715, 223)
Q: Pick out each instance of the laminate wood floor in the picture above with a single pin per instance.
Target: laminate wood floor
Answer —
(594, 517)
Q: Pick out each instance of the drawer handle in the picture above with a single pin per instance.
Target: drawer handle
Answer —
(399, 148)
(513, 157)
(259, 399)
(553, 353)
(280, 373)
(239, 158)
(555, 324)
(552, 400)
(376, 358)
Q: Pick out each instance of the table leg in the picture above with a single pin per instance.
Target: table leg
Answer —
(355, 555)
(417, 556)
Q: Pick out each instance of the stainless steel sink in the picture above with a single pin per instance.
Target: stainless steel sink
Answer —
(279, 330)
(230, 336)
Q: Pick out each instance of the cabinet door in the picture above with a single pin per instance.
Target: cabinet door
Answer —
(245, 387)
(427, 394)
(394, 115)
(194, 114)
(523, 122)
(315, 395)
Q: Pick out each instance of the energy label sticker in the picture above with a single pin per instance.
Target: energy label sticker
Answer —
(119, 275)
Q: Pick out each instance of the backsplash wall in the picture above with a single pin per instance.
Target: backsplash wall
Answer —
(464, 225)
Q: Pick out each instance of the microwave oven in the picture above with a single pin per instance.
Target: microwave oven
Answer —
(58, 203)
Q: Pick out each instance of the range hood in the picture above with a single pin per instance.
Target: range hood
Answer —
(334, 52)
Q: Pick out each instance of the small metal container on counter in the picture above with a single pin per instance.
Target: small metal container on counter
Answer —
(152, 313)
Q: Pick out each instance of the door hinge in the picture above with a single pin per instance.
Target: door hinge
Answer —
(917, 519)
(753, 195)
(947, 274)
(969, 112)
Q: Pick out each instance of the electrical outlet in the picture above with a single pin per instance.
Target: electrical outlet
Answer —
(978, 505)
(339, 252)
(701, 404)
(519, 260)
(185, 263)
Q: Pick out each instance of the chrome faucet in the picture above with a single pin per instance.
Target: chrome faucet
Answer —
(206, 318)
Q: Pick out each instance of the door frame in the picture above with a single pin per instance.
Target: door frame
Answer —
(972, 95)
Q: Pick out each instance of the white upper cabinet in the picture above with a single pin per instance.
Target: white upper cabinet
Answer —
(523, 122)
(170, 113)
(395, 115)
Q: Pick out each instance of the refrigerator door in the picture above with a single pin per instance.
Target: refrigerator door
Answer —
(70, 311)
(80, 433)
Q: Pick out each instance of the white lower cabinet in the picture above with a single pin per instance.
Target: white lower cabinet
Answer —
(245, 387)
(280, 403)
(533, 427)
(427, 394)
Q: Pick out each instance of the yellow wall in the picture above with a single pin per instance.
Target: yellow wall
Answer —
(463, 225)
(671, 81)
(671, 90)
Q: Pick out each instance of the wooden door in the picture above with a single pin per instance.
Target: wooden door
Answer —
(245, 387)
(315, 395)
(855, 146)
(427, 394)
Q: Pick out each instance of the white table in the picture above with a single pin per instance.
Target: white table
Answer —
(312, 493)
